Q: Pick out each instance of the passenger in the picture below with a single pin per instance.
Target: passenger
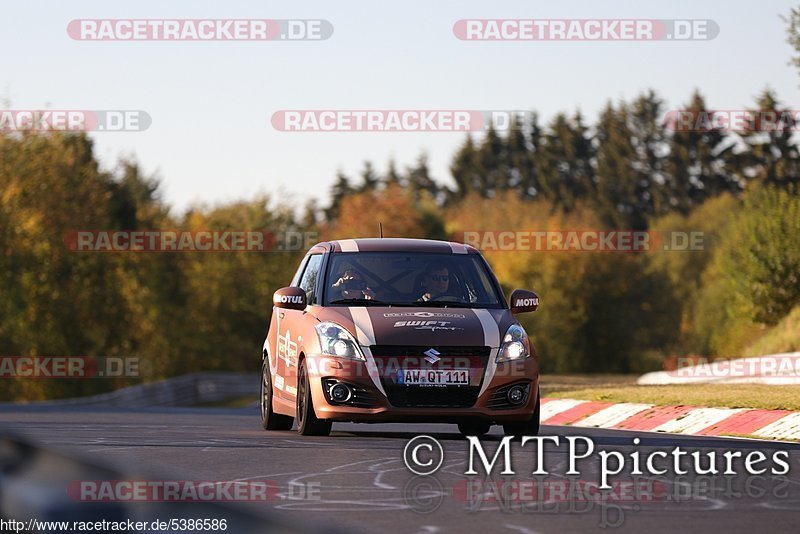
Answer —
(352, 285)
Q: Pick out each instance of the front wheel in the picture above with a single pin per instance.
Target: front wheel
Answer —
(307, 422)
(527, 428)
(269, 419)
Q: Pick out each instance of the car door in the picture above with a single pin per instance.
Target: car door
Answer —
(289, 325)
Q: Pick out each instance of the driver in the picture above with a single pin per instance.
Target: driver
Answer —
(352, 285)
(435, 281)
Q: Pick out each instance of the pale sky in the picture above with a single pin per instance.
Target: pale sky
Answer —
(211, 139)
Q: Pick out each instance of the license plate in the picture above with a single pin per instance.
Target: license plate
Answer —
(433, 377)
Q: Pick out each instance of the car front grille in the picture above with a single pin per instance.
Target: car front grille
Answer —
(432, 396)
(393, 357)
(401, 351)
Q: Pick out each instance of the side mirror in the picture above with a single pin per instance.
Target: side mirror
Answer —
(292, 298)
(523, 301)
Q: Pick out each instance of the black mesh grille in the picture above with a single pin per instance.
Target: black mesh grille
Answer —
(432, 396)
(403, 396)
(361, 397)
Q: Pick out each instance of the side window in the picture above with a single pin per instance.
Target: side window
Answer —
(309, 279)
(296, 278)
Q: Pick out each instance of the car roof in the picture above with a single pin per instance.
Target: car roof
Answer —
(396, 244)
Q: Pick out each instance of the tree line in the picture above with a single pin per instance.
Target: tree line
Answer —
(631, 165)
(183, 312)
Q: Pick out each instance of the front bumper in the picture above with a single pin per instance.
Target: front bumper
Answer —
(377, 407)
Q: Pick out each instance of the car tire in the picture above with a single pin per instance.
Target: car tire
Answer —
(474, 428)
(269, 419)
(307, 422)
(528, 428)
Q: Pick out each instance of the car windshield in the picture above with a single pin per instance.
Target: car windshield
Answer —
(410, 279)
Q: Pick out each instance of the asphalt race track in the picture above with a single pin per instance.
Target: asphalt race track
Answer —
(356, 478)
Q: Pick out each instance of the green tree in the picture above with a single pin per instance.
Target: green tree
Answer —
(339, 191)
(696, 168)
(466, 170)
(564, 162)
(491, 157)
(520, 167)
(621, 186)
(369, 178)
(773, 157)
(793, 33)
(761, 267)
(420, 181)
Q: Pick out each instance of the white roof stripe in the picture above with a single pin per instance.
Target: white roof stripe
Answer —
(458, 248)
(372, 369)
(363, 323)
(491, 338)
(348, 245)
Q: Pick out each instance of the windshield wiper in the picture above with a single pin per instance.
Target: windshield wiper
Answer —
(362, 301)
(448, 304)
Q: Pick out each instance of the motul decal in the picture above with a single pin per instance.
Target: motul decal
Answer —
(289, 299)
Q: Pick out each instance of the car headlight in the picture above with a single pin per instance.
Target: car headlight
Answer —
(516, 345)
(337, 341)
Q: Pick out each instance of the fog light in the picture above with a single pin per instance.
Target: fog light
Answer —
(341, 392)
(516, 394)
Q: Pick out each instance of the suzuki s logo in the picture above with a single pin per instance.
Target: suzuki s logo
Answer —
(432, 355)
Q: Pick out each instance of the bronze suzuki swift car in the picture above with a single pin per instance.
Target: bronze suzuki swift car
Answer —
(398, 330)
